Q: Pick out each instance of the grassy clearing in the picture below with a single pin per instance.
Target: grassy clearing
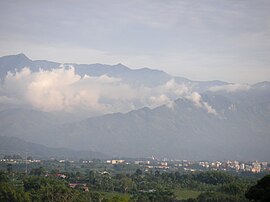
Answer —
(109, 195)
(183, 194)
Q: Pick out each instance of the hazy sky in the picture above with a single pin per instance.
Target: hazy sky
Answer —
(201, 40)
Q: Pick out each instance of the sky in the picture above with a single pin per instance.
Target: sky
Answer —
(227, 40)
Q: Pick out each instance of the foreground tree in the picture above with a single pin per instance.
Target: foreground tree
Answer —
(260, 191)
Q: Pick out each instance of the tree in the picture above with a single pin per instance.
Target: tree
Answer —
(260, 191)
(11, 194)
(55, 191)
(118, 198)
(3, 177)
(233, 188)
(126, 184)
(214, 177)
(216, 197)
(37, 171)
(138, 172)
(9, 168)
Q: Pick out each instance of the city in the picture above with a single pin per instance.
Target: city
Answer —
(146, 164)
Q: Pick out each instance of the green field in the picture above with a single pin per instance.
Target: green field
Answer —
(110, 195)
(183, 194)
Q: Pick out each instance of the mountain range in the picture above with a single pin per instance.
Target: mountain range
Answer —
(216, 120)
(142, 76)
(14, 145)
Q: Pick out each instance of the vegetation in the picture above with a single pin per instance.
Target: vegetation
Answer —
(260, 191)
(184, 194)
(153, 186)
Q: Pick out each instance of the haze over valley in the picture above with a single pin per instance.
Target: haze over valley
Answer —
(115, 110)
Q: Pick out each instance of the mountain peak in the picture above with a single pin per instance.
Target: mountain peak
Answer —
(21, 56)
(120, 65)
(18, 57)
(264, 84)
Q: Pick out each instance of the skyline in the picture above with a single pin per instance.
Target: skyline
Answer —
(225, 40)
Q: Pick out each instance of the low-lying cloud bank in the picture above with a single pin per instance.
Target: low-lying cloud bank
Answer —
(63, 90)
(230, 88)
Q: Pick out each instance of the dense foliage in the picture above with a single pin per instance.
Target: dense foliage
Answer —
(41, 185)
(260, 191)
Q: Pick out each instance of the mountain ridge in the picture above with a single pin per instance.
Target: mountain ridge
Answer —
(182, 131)
(156, 77)
(14, 145)
(231, 121)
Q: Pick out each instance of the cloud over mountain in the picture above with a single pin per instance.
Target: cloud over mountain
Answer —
(231, 88)
(63, 90)
(186, 119)
(196, 98)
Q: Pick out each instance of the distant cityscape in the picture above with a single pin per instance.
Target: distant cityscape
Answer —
(156, 164)
(116, 179)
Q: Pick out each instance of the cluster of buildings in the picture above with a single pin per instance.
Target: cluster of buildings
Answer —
(11, 160)
(254, 166)
(165, 164)
(186, 165)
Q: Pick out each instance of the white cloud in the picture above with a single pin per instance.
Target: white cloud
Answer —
(60, 89)
(209, 108)
(159, 100)
(63, 90)
(198, 101)
(196, 98)
(230, 88)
